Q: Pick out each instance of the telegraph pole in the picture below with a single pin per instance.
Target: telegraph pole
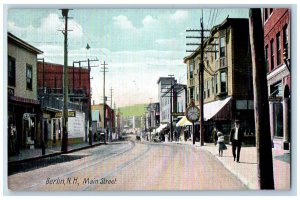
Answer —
(201, 72)
(64, 146)
(171, 98)
(90, 136)
(261, 104)
(111, 115)
(104, 99)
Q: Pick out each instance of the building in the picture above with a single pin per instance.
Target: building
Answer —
(228, 90)
(97, 115)
(277, 41)
(50, 92)
(23, 105)
(164, 97)
(152, 116)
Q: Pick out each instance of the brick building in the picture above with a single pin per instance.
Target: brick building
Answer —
(23, 104)
(228, 91)
(277, 43)
(50, 91)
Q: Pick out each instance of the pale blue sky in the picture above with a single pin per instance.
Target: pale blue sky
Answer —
(139, 45)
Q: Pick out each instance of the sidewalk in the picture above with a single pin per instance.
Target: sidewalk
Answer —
(30, 154)
(246, 170)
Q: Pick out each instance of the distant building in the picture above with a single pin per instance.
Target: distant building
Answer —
(277, 39)
(23, 105)
(152, 116)
(97, 115)
(228, 91)
(164, 97)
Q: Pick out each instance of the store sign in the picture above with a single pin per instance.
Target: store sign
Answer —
(70, 114)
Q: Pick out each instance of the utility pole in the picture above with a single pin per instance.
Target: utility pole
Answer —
(201, 71)
(64, 146)
(111, 115)
(261, 104)
(171, 98)
(104, 100)
(90, 136)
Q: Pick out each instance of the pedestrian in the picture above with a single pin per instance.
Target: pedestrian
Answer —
(220, 143)
(236, 139)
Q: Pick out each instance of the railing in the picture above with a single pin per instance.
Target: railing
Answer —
(57, 103)
(59, 91)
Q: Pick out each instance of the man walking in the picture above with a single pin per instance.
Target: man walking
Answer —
(236, 139)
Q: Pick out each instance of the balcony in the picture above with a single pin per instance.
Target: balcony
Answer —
(56, 103)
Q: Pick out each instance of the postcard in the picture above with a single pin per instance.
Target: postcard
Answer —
(148, 99)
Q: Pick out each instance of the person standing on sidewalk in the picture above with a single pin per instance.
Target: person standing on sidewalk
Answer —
(221, 145)
(236, 139)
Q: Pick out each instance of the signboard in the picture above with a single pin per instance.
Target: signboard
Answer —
(176, 114)
(70, 114)
(76, 126)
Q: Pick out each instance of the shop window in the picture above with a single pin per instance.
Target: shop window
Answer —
(11, 71)
(278, 119)
(28, 77)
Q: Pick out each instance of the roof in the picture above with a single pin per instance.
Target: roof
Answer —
(165, 78)
(23, 44)
(216, 28)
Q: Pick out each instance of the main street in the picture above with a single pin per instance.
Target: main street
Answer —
(130, 165)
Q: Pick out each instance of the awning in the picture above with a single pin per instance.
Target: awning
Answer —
(160, 128)
(183, 122)
(213, 108)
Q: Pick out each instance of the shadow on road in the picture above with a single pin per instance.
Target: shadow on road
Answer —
(18, 167)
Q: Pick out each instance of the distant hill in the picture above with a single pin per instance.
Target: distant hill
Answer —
(134, 110)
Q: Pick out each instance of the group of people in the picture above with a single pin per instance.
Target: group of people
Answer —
(236, 138)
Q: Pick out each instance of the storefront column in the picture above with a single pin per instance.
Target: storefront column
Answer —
(286, 124)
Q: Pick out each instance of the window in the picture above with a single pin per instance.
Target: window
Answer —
(272, 55)
(278, 48)
(216, 78)
(29, 77)
(191, 70)
(267, 57)
(212, 85)
(11, 71)
(208, 92)
(191, 93)
(216, 49)
(223, 81)
(197, 94)
(222, 47)
(286, 41)
(271, 10)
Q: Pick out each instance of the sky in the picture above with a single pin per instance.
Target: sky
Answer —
(139, 45)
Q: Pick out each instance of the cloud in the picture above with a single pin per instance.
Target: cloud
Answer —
(124, 23)
(149, 20)
(179, 15)
(48, 29)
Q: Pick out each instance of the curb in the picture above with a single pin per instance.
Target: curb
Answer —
(53, 154)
